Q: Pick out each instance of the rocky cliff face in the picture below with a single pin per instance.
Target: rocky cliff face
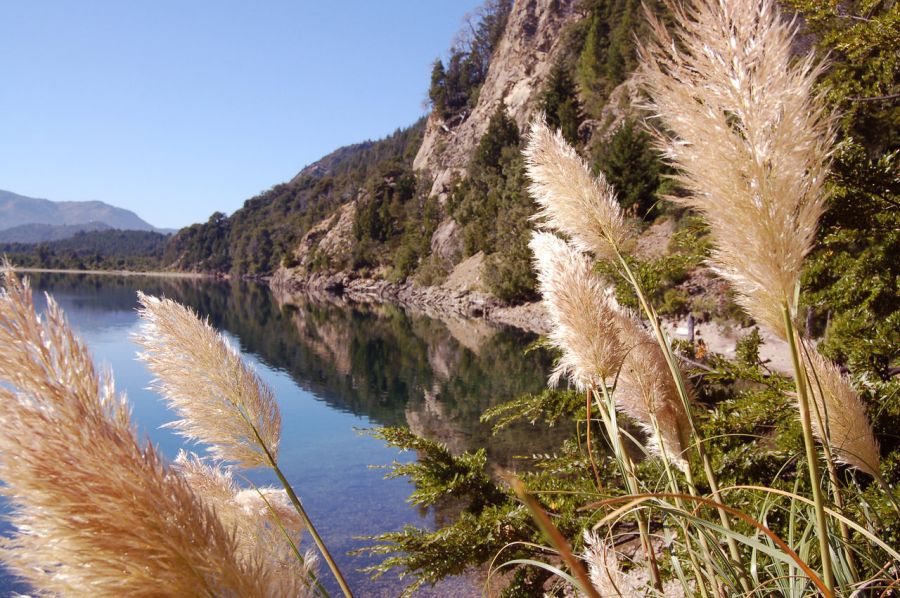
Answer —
(519, 67)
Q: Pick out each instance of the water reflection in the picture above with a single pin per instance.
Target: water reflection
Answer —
(362, 365)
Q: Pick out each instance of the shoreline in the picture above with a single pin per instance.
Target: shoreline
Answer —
(435, 301)
(441, 302)
(155, 274)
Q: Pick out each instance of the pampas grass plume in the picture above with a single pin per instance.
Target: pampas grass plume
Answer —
(849, 433)
(256, 516)
(93, 511)
(221, 401)
(571, 200)
(583, 319)
(600, 341)
(647, 393)
(749, 137)
(605, 571)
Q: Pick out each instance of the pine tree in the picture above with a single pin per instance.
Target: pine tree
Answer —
(560, 103)
(501, 132)
(437, 93)
(632, 166)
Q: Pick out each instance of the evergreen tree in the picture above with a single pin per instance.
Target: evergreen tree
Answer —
(560, 103)
(437, 93)
(632, 166)
(593, 53)
(502, 132)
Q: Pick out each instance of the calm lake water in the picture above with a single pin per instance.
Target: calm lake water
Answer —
(336, 370)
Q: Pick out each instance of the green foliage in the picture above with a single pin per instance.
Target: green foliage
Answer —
(265, 231)
(852, 278)
(607, 53)
(95, 250)
(550, 406)
(493, 207)
(455, 88)
(380, 211)
(861, 38)
(502, 133)
(753, 438)
(560, 103)
(394, 221)
(489, 519)
(631, 165)
(471, 540)
(855, 277)
(437, 474)
(437, 92)
(659, 278)
(746, 413)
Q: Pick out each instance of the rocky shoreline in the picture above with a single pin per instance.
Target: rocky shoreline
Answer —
(436, 301)
(442, 302)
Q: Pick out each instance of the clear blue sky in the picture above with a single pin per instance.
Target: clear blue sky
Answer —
(178, 108)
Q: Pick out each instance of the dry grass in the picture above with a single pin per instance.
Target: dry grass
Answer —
(258, 516)
(91, 506)
(601, 343)
(581, 311)
(222, 402)
(750, 138)
(573, 202)
(647, 393)
(848, 432)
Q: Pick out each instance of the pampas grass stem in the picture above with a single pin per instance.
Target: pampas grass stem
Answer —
(230, 409)
(812, 457)
(92, 507)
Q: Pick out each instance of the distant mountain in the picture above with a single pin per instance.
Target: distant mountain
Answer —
(44, 233)
(18, 210)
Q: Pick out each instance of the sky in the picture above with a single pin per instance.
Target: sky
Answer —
(176, 109)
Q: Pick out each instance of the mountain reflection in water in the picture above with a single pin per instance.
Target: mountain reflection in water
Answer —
(380, 364)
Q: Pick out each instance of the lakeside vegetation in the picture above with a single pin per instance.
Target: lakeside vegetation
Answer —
(683, 471)
(747, 437)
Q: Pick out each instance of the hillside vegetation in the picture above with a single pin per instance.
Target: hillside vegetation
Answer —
(387, 217)
(745, 184)
(256, 238)
(94, 250)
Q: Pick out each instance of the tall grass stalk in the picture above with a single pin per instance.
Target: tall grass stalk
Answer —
(608, 408)
(752, 142)
(684, 395)
(585, 208)
(221, 401)
(92, 508)
(812, 457)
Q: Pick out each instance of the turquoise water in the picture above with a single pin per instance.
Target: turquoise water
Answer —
(336, 370)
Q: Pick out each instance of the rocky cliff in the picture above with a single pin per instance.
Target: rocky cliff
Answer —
(518, 69)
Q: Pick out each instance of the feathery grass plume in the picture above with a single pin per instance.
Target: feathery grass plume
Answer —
(94, 511)
(749, 137)
(849, 432)
(579, 306)
(600, 341)
(256, 528)
(573, 201)
(221, 401)
(606, 575)
(646, 391)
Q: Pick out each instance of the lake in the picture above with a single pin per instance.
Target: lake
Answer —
(337, 370)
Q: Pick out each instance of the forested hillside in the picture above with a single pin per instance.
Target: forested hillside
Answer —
(94, 250)
(366, 209)
(255, 239)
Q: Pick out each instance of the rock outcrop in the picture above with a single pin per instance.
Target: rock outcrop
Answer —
(519, 67)
(332, 239)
